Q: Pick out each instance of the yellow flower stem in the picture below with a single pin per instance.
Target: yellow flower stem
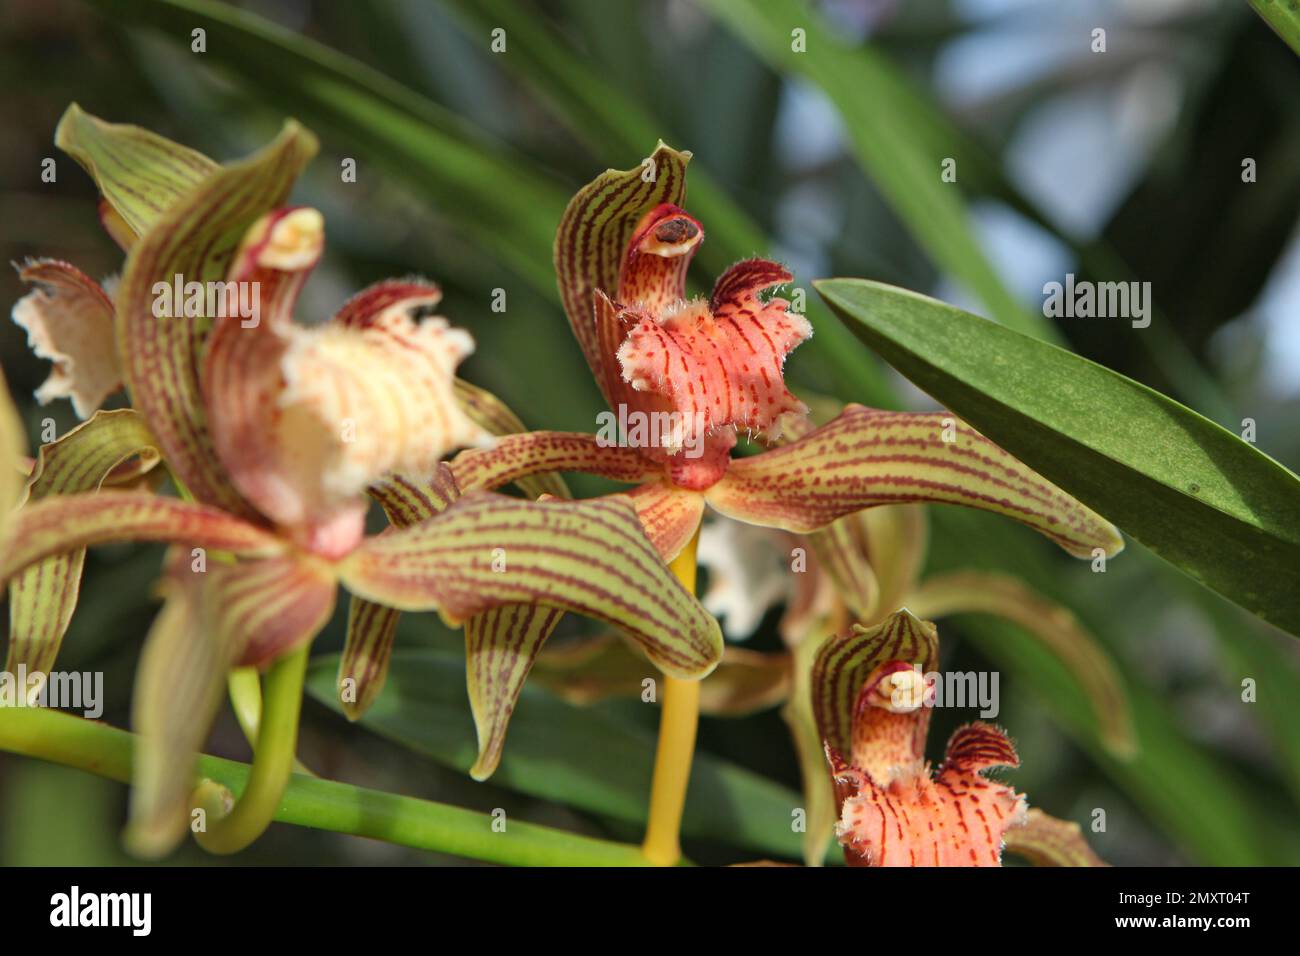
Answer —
(273, 758)
(677, 724)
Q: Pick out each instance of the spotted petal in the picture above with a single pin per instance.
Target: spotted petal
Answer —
(68, 319)
(956, 818)
(515, 457)
(43, 597)
(719, 363)
(866, 457)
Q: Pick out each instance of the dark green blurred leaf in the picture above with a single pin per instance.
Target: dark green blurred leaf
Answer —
(1192, 492)
(888, 142)
(586, 758)
(507, 206)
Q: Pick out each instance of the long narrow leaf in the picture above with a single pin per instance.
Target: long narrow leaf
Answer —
(1192, 492)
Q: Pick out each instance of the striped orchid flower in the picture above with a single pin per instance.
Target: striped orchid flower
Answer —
(276, 433)
(872, 701)
(684, 374)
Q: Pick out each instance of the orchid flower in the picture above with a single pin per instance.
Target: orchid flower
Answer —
(276, 432)
(702, 369)
(872, 705)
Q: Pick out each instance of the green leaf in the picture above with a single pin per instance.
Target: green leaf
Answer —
(1192, 492)
(587, 758)
(1283, 17)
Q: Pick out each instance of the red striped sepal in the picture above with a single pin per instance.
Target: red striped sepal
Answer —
(194, 239)
(867, 457)
(589, 557)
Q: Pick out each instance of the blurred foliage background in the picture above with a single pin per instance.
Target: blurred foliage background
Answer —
(1116, 165)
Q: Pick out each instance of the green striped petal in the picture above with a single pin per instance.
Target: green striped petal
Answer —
(363, 667)
(194, 240)
(501, 642)
(493, 415)
(139, 174)
(13, 444)
(590, 242)
(589, 557)
(43, 597)
(867, 457)
(515, 457)
(62, 523)
(500, 647)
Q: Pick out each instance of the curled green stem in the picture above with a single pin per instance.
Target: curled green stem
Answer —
(273, 759)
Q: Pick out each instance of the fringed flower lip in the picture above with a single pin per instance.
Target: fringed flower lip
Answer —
(872, 706)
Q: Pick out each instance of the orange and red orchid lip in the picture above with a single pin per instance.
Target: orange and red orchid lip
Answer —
(954, 818)
(719, 364)
(893, 810)
(622, 252)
